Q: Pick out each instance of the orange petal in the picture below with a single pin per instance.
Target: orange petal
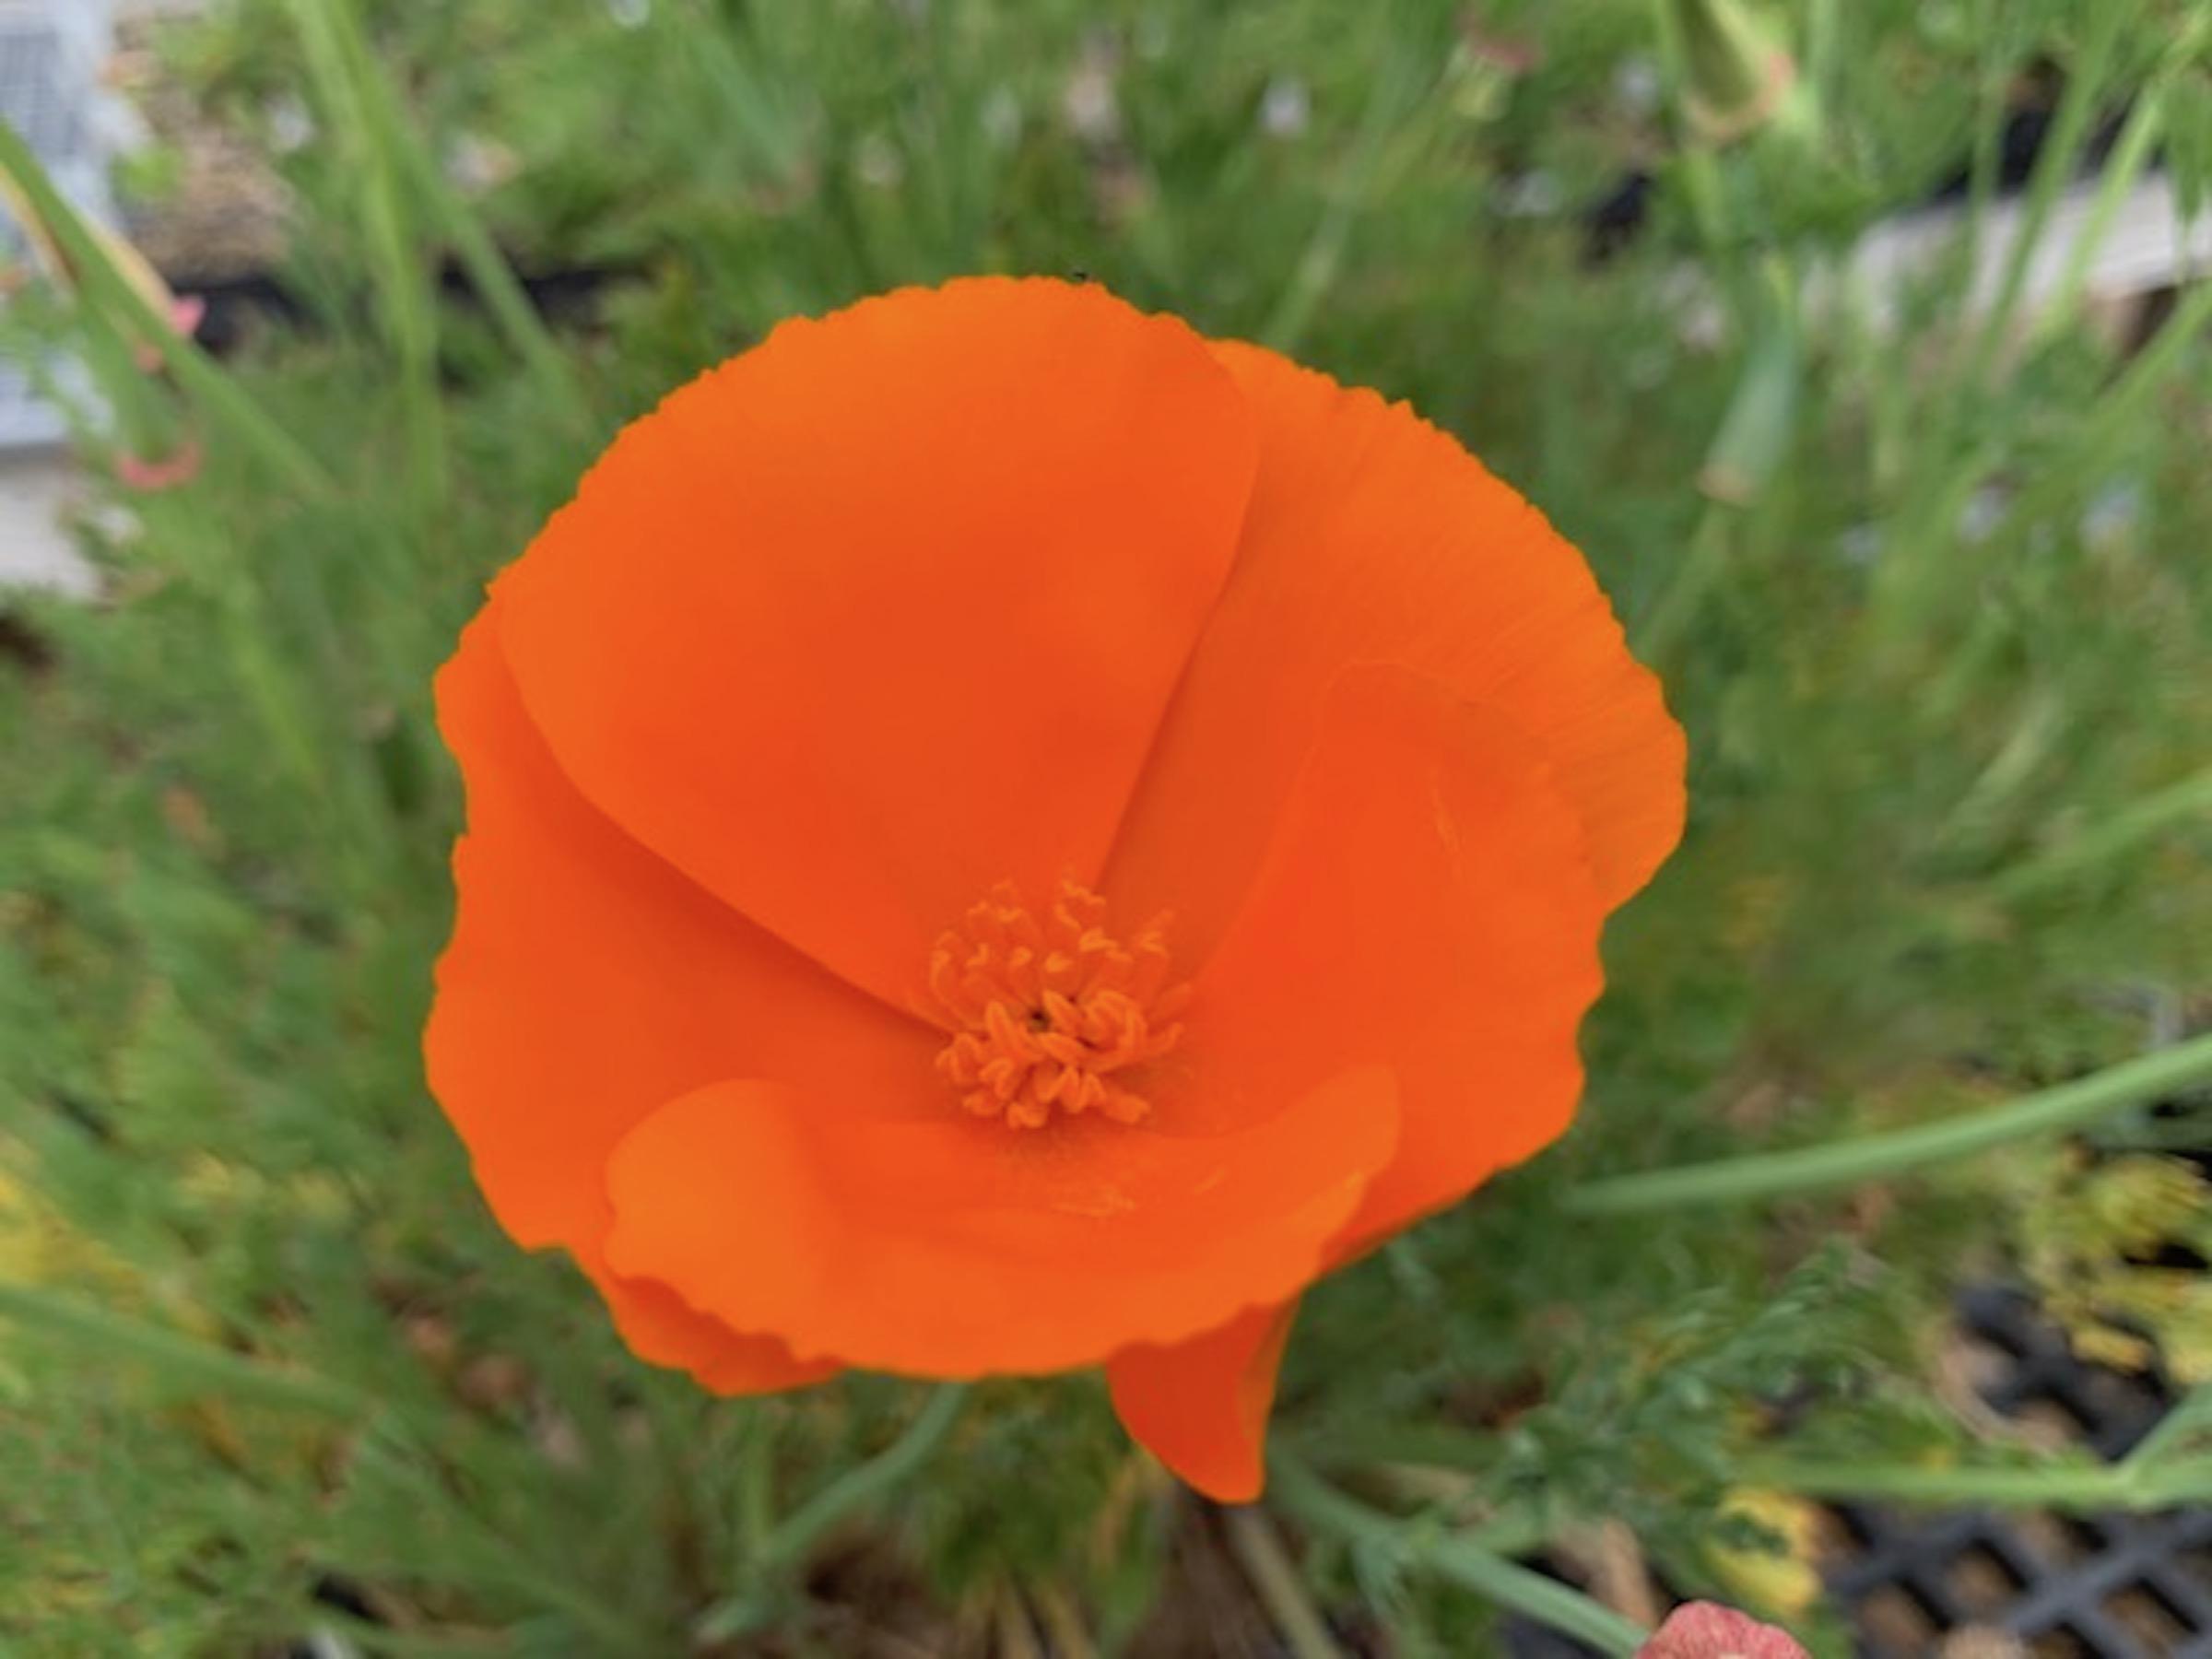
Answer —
(587, 981)
(885, 611)
(1375, 537)
(959, 1247)
(1426, 906)
(661, 1330)
(1201, 1407)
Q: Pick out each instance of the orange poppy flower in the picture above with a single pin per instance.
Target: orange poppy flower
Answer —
(1006, 837)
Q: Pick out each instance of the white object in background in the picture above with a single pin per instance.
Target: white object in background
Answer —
(2147, 245)
(38, 494)
(51, 52)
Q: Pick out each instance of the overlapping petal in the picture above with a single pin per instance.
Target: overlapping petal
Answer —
(586, 983)
(1426, 907)
(885, 610)
(1372, 536)
(1201, 1406)
(957, 1247)
(1425, 878)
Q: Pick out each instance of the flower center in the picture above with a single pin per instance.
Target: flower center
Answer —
(1051, 1006)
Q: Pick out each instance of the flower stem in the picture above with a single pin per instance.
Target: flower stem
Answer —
(1275, 1578)
(1512, 1586)
(1902, 1151)
(862, 1488)
(853, 1491)
(2129, 1484)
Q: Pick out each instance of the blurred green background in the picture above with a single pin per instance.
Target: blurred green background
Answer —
(1920, 545)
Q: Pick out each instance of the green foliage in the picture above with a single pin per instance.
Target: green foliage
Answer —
(1939, 644)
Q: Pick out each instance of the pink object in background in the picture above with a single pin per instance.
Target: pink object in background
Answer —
(186, 313)
(1708, 1630)
(179, 467)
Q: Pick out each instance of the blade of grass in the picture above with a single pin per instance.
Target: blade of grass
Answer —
(1902, 1151)
(489, 273)
(1753, 440)
(2122, 168)
(487, 268)
(2120, 834)
(1321, 262)
(361, 92)
(472, 1547)
(2054, 164)
(329, 36)
(226, 404)
(2114, 418)
(174, 1355)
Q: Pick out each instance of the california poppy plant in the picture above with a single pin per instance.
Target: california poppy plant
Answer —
(1003, 836)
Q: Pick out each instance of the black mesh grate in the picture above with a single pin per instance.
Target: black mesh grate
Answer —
(2100, 1587)
(2093, 1587)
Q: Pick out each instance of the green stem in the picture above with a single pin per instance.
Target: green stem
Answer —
(1269, 1567)
(1698, 167)
(2055, 161)
(2074, 1488)
(757, 1487)
(2121, 170)
(1512, 1586)
(859, 1489)
(1323, 260)
(338, 59)
(2191, 1416)
(1903, 1152)
(356, 81)
(2114, 422)
(504, 296)
(2123, 832)
(1693, 576)
(1752, 440)
(226, 404)
(868, 1485)
(202, 1364)
(1992, 106)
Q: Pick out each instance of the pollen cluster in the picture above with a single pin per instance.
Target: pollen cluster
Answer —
(1050, 1006)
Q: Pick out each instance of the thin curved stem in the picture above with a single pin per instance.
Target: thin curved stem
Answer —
(1511, 1585)
(2077, 1487)
(1903, 1152)
(858, 1489)
(2116, 836)
(862, 1488)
